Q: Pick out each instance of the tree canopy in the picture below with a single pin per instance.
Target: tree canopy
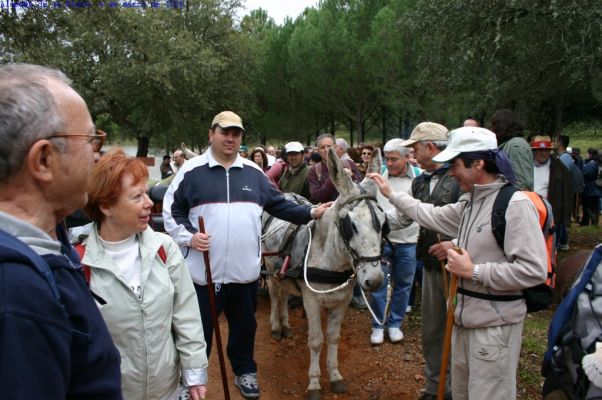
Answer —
(159, 71)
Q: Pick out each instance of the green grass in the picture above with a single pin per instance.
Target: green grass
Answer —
(533, 347)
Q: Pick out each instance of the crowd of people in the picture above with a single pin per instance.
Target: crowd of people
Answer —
(122, 311)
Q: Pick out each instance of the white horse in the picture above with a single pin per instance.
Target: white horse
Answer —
(327, 257)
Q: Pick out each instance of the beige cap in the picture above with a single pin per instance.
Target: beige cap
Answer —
(427, 131)
(227, 119)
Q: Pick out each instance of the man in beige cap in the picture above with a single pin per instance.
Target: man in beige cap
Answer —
(230, 193)
(437, 187)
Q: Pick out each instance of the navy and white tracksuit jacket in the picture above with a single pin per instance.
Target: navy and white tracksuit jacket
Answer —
(231, 202)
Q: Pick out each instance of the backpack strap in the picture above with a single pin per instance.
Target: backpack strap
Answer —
(81, 250)
(9, 241)
(319, 171)
(162, 254)
(498, 213)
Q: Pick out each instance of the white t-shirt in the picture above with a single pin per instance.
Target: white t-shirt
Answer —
(125, 255)
(541, 178)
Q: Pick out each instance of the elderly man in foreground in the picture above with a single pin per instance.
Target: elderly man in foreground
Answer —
(53, 341)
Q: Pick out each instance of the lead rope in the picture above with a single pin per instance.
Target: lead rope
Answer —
(345, 284)
(387, 305)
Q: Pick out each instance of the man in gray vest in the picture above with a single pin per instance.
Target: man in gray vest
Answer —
(437, 187)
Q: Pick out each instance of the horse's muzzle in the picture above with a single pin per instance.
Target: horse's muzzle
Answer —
(370, 275)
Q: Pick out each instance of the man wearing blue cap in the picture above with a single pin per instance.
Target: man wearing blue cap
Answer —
(489, 316)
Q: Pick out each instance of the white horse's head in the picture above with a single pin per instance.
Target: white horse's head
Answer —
(360, 220)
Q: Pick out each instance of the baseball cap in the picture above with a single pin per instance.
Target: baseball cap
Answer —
(467, 139)
(427, 131)
(243, 147)
(227, 119)
(294, 147)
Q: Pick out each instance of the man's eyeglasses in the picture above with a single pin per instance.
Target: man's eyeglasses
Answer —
(366, 153)
(96, 139)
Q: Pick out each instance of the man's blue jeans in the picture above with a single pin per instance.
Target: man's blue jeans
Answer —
(402, 268)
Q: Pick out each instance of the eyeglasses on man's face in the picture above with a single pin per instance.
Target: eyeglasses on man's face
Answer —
(96, 139)
(366, 153)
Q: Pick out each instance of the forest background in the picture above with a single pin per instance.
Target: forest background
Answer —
(157, 71)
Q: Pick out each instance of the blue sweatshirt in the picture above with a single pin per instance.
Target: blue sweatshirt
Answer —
(51, 348)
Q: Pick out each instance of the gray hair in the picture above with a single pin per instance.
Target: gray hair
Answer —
(440, 144)
(324, 136)
(342, 143)
(28, 112)
(395, 145)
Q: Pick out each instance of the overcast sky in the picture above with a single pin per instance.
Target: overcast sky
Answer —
(280, 9)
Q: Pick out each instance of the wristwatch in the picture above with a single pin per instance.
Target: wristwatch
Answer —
(475, 275)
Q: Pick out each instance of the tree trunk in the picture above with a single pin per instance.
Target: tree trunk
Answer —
(384, 133)
(143, 142)
(558, 103)
(351, 132)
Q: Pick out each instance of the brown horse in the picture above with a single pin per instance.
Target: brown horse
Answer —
(567, 270)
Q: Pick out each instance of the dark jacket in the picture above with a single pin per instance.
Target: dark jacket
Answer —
(590, 173)
(446, 191)
(560, 191)
(51, 348)
(295, 181)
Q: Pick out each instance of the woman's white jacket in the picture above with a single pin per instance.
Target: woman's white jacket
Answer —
(159, 335)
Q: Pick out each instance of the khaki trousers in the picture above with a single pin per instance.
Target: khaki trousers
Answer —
(485, 361)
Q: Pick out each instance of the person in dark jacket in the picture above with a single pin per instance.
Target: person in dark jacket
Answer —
(53, 342)
(591, 191)
(435, 186)
(553, 181)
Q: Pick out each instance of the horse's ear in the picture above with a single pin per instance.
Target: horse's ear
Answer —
(375, 166)
(376, 162)
(339, 177)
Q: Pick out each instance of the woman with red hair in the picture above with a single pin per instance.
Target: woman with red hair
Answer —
(142, 286)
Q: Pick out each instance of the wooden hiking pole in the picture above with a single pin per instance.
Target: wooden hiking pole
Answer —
(213, 308)
(449, 324)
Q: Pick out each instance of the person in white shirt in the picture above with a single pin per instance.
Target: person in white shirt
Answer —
(400, 252)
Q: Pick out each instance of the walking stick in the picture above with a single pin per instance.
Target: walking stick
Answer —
(449, 324)
(213, 308)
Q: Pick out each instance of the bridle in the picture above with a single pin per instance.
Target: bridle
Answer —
(347, 227)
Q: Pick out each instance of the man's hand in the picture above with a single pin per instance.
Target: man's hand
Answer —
(198, 392)
(200, 241)
(439, 250)
(382, 183)
(459, 264)
(319, 210)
